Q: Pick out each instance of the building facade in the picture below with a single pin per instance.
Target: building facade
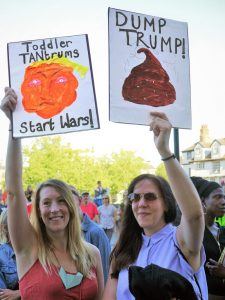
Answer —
(205, 158)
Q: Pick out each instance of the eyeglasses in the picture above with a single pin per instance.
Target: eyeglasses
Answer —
(105, 198)
(134, 197)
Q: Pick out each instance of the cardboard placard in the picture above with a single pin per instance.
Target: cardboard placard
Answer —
(148, 68)
(54, 83)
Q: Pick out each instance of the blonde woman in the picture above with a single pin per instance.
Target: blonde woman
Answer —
(53, 260)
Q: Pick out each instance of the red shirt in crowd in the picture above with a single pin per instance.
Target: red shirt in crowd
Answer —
(90, 209)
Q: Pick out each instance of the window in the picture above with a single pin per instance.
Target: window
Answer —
(200, 166)
(189, 155)
(215, 149)
(216, 166)
(198, 153)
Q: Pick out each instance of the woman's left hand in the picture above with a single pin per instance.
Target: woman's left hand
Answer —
(161, 127)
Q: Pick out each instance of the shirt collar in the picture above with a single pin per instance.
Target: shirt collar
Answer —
(157, 236)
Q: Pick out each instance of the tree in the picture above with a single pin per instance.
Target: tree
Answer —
(122, 168)
(161, 171)
(49, 158)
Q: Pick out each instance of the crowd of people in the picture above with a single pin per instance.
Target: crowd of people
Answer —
(57, 243)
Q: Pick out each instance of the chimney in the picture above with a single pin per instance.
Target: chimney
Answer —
(204, 134)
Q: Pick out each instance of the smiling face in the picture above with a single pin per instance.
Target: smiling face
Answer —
(149, 214)
(53, 210)
(215, 203)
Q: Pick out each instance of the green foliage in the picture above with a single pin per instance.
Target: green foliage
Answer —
(161, 171)
(49, 158)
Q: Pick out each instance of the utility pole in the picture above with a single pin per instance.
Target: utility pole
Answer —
(176, 143)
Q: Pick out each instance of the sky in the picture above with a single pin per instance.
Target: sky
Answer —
(29, 20)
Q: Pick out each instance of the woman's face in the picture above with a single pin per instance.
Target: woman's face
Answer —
(105, 200)
(53, 210)
(149, 213)
(215, 203)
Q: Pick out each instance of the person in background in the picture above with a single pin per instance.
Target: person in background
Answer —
(2, 204)
(119, 217)
(213, 202)
(107, 216)
(147, 236)
(89, 207)
(99, 192)
(116, 231)
(94, 234)
(9, 286)
(29, 193)
(4, 198)
(53, 259)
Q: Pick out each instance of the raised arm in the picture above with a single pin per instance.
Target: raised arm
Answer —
(20, 230)
(191, 229)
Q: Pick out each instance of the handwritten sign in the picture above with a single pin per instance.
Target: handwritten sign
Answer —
(148, 68)
(54, 83)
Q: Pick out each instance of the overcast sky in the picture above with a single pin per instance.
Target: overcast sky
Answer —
(29, 20)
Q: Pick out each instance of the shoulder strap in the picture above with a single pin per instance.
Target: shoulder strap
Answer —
(195, 278)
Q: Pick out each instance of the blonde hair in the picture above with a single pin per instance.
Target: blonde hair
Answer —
(79, 250)
(4, 233)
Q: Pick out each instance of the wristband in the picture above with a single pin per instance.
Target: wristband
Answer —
(169, 157)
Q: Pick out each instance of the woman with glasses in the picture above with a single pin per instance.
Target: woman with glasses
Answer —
(147, 236)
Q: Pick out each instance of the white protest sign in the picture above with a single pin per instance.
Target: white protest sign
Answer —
(54, 83)
(149, 68)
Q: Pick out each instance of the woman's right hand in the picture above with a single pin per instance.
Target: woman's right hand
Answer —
(9, 102)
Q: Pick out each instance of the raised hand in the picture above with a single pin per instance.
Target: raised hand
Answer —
(9, 102)
(161, 128)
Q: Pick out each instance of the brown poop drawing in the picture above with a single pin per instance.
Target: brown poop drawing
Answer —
(148, 83)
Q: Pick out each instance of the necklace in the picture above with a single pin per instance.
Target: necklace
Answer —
(68, 280)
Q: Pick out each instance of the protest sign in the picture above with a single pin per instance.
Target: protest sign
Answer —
(149, 68)
(54, 83)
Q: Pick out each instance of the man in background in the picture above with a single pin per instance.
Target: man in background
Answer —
(89, 207)
(99, 192)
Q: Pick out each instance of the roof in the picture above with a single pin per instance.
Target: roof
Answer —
(221, 141)
(192, 147)
(204, 145)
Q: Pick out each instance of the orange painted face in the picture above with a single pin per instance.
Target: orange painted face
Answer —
(48, 88)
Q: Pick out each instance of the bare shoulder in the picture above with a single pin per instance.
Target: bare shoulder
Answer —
(94, 250)
(25, 260)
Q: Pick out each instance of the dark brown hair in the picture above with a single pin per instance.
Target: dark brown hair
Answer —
(130, 239)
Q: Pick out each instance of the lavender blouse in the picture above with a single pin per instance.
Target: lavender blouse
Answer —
(162, 249)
